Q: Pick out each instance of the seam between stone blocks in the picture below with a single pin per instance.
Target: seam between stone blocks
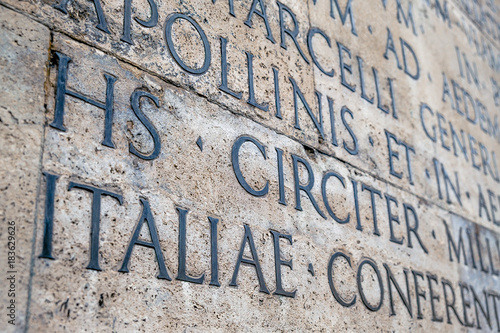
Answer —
(46, 87)
(210, 100)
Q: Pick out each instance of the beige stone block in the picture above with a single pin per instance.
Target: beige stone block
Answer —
(442, 51)
(434, 32)
(23, 58)
(66, 295)
(336, 193)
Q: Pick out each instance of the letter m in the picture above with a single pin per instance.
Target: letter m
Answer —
(343, 14)
(407, 18)
(452, 247)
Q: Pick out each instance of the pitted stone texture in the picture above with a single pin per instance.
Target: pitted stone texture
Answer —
(23, 57)
(428, 132)
(67, 295)
(438, 30)
(150, 50)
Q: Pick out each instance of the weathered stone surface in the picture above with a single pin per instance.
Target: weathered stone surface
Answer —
(432, 23)
(124, 301)
(23, 57)
(395, 175)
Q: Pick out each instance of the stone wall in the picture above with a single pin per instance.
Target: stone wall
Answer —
(233, 165)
